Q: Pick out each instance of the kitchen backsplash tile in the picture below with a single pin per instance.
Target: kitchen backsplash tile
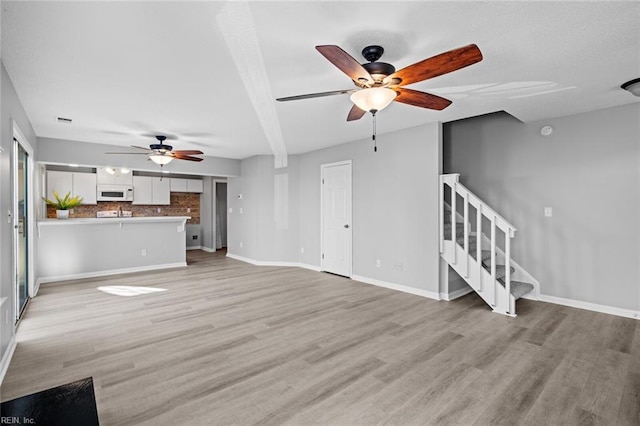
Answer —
(180, 202)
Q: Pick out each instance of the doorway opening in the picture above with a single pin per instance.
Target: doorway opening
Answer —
(221, 214)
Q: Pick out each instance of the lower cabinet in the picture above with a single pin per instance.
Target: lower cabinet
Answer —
(151, 190)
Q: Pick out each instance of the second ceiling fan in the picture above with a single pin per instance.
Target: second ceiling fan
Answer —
(379, 83)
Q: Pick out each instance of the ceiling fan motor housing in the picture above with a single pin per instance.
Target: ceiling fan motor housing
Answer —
(160, 147)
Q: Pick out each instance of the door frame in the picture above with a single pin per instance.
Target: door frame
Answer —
(322, 169)
(214, 213)
(30, 167)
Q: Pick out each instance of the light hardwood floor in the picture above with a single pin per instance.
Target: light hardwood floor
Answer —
(232, 343)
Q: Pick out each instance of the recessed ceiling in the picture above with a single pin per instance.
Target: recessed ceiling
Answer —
(124, 71)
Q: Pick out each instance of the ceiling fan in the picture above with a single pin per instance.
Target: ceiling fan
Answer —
(379, 83)
(162, 154)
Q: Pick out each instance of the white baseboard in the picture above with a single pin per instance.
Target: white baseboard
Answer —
(627, 313)
(208, 249)
(6, 358)
(94, 274)
(273, 263)
(456, 294)
(194, 247)
(398, 287)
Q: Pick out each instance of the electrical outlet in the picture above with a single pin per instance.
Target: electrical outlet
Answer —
(302, 250)
(241, 211)
(159, 209)
(378, 263)
(143, 252)
(188, 209)
(241, 245)
(548, 212)
(194, 237)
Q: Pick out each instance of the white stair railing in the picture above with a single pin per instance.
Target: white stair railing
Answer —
(498, 297)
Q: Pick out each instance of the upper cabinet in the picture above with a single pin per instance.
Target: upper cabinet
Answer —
(186, 185)
(115, 178)
(78, 184)
(151, 190)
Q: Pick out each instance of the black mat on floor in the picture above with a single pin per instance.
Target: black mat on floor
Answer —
(70, 404)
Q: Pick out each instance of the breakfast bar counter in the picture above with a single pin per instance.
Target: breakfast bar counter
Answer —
(88, 247)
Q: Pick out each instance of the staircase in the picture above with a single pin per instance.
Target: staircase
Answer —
(476, 242)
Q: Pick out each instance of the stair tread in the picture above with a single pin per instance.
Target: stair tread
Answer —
(518, 288)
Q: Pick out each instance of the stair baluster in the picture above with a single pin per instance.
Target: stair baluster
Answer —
(456, 248)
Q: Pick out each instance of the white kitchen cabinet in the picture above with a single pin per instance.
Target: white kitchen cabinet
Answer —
(151, 190)
(84, 185)
(142, 190)
(161, 191)
(79, 184)
(186, 185)
(118, 178)
(195, 185)
(178, 185)
(61, 182)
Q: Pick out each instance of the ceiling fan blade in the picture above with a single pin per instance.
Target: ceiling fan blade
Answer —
(437, 65)
(129, 153)
(139, 147)
(317, 95)
(346, 63)
(186, 157)
(421, 99)
(188, 152)
(355, 113)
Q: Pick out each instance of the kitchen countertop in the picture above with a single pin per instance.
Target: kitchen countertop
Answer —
(107, 220)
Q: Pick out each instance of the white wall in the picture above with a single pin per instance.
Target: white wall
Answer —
(395, 214)
(588, 171)
(11, 109)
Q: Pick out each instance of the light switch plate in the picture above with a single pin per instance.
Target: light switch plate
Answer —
(548, 212)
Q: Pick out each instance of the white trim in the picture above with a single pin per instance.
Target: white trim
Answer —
(6, 358)
(31, 216)
(627, 313)
(83, 275)
(274, 263)
(194, 247)
(398, 287)
(456, 294)
(208, 249)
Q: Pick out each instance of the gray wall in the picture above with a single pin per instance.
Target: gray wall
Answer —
(10, 108)
(268, 224)
(58, 151)
(395, 205)
(588, 171)
(395, 198)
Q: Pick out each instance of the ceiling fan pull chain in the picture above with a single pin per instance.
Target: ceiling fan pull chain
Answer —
(373, 136)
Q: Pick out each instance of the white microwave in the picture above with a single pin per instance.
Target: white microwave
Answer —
(115, 193)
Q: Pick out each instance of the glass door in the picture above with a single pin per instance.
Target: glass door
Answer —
(21, 216)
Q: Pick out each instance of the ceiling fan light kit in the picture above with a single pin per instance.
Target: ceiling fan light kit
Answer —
(161, 159)
(374, 98)
(632, 86)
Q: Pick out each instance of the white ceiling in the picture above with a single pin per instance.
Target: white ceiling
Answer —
(207, 73)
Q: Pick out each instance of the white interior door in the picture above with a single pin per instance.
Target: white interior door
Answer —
(336, 218)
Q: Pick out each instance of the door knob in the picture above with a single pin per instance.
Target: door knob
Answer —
(346, 226)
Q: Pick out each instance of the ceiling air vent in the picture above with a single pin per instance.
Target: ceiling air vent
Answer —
(64, 120)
